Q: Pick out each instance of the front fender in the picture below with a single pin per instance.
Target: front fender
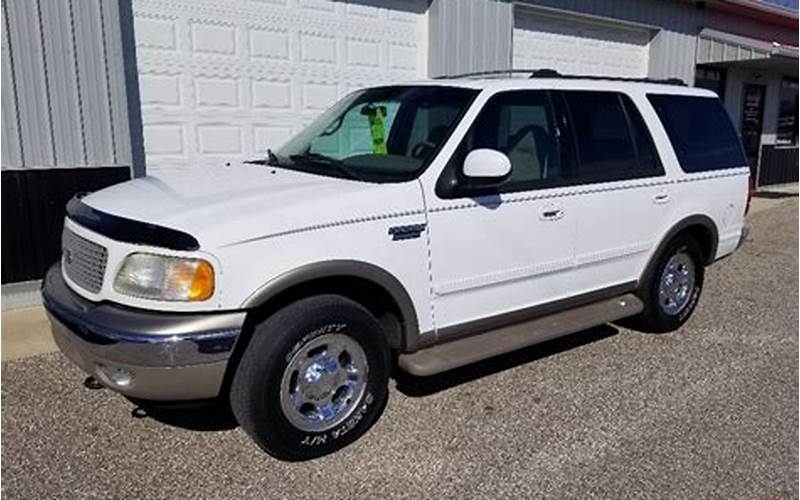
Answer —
(344, 268)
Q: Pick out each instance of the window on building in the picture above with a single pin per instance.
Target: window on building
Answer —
(787, 113)
(700, 131)
(712, 79)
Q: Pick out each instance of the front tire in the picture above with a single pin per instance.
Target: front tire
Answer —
(313, 379)
(671, 291)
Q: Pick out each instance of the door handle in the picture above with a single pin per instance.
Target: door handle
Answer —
(661, 198)
(551, 213)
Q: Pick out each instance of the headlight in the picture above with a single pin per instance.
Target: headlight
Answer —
(160, 277)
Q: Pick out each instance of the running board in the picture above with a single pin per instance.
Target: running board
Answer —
(466, 350)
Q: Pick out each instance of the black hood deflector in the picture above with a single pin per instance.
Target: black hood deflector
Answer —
(128, 230)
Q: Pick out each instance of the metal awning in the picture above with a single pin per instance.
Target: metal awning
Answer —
(718, 47)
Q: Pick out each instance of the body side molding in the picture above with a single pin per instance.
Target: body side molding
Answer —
(483, 325)
(352, 269)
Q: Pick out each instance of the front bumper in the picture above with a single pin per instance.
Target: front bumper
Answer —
(142, 354)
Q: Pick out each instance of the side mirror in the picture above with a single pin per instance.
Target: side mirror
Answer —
(486, 167)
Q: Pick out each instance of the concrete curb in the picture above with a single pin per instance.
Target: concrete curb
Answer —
(768, 199)
(25, 333)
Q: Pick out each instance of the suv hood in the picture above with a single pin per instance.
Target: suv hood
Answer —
(222, 206)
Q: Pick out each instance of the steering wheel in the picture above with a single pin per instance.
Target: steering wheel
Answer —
(422, 149)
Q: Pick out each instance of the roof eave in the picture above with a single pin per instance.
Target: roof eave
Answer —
(755, 9)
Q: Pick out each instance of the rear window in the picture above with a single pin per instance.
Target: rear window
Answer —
(700, 131)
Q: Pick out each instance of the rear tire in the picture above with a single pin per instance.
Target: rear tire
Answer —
(671, 290)
(313, 379)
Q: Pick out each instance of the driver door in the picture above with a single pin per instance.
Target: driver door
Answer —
(511, 246)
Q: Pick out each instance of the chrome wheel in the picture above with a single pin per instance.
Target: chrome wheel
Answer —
(323, 382)
(677, 284)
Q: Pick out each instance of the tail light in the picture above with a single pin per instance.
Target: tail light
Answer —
(751, 187)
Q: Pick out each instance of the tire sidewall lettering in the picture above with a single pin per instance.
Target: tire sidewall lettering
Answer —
(331, 435)
(322, 438)
(255, 394)
(317, 332)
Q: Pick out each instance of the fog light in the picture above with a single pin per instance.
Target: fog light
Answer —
(119, 377)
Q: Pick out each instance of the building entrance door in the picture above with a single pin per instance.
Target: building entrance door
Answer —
(752, 121)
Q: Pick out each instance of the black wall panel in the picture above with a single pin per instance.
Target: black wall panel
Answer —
(779, 165)
(33, 207)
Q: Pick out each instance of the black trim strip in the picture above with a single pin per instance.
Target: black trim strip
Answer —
(522, 315)
(697, 220)
(410, 334)
(128, 230)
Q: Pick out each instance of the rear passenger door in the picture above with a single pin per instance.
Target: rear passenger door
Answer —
(625, 201)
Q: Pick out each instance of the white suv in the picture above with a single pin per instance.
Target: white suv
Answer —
(435, 224)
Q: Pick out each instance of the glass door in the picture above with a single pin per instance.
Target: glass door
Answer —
(752, 121)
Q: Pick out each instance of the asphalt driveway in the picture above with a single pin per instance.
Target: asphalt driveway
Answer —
(708, 411)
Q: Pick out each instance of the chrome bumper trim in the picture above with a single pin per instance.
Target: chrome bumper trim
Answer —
(173, 356)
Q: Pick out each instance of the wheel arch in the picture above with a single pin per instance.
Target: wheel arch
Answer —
(701, 227)
(373, 287)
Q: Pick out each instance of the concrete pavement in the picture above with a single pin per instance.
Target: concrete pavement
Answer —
(772, 197)
(25, 332)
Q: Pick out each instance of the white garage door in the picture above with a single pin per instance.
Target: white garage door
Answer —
(223, 80)
(579, 47)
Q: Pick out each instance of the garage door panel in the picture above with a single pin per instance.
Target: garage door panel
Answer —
(576, 46)
(266, 43)
(155, 32)
(221, 81)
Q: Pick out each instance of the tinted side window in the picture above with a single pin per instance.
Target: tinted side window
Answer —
(522, 125)
(604, 143)
(700, 131)
(645, 148)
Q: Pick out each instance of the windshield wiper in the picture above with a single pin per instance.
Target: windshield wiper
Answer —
(326, 160)
(271, 160)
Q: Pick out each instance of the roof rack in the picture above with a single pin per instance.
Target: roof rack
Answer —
(494, 72)
(551, 73)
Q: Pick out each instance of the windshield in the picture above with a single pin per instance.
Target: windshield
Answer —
(386, 134)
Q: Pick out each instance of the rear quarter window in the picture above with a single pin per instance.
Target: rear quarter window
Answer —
(700, 131)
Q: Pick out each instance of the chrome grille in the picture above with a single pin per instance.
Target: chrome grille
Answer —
(84, 261)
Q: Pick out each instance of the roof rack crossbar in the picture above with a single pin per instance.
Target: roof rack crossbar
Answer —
(493, 72)
(551, 73)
